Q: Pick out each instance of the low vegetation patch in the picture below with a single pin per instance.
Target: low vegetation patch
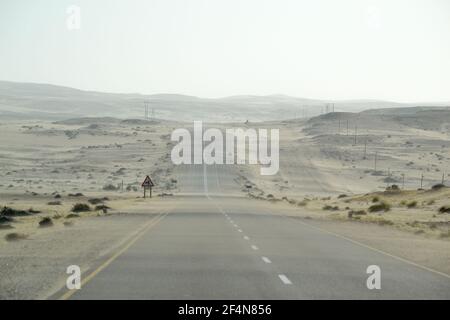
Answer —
(110, 187)
(81, 207)
(330, 208)
(411, 204)
(303, 203)
(78, 194)
(10, 212)
(385, 222)
(444, 209)
(5, 219)
(438, 186)
(357, 212)
(46, 222)
(54, 203)
(15, 236)
(381, 206)
(393, 187)
(72, 215)
(94, 201)
(102, 207)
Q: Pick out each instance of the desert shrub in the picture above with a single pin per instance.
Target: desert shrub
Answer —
(72, 215)
(358, 212)
(78, 194)
(94, 201)
(269, 195)
(110, 187)
(10, 212)
(54, 203)
(412, 204)
(403, 203)
(68, 223)
(165, 194)
(385, 222)
(430, 202)
(31, 210)
(81, 207)
(302, 203)
(101, 207)
(5, 219)
(438, 186)
(330, 208)
(444, 209)
(15, 236)
(46, 222)
(381, 206)
(342, 196)
(375, 199)
(57, 196)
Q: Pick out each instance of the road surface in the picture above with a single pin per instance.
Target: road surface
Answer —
(217, 244)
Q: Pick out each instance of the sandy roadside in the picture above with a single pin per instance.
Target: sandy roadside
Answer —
(35, 268)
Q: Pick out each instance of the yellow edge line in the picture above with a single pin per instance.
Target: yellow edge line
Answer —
(144, 229)
(375, 249)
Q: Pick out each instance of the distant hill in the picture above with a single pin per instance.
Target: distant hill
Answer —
(21, 101)
(422, 118)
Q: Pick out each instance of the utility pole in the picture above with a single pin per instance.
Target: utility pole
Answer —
(145, 110)
(376, 156)
(421, 181)
(443, 174)
(365, 148)
(356, 133)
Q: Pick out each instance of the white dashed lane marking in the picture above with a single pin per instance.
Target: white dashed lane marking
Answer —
(266, 260)
(254, 247)
(246, 238)
(284, 279)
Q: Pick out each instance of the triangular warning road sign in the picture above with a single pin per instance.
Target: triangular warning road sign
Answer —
(147, 182)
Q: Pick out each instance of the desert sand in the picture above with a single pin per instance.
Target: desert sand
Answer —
(47, 167)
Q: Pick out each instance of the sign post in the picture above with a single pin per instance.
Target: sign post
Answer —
(147, 184)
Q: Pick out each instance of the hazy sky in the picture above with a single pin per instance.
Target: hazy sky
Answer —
(395, 50)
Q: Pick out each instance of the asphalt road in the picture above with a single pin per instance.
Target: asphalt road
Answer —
(216, 244)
